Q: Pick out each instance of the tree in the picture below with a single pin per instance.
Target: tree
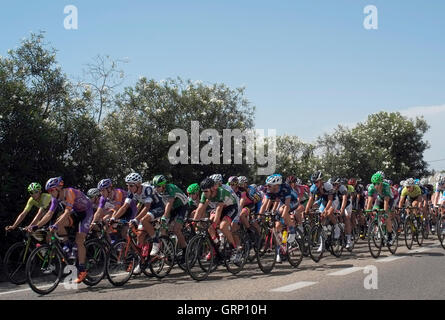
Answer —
(385, 141)
(147, 112)
(103, 76)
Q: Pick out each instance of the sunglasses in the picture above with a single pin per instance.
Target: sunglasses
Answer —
(205, 191)
(131, 185)
(33, 192)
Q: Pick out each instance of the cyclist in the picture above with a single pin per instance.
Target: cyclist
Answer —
(78, 213)
(250, 202)
(385, 197)
(37, 199)
(242, 184)
(152, 209)
(226, 209)
(324, 191)
(283, 200)
(176, 206)
(343, 205)
(303, 197)
(194, 195)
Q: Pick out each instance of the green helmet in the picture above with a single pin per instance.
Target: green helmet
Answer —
(159, 180)
(34, 187)
(193, 188)
(377, 178)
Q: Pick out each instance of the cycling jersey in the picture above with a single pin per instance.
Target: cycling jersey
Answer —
(440, 187)
(413, 194)
(44, 201)
(82, 208)
(302, 192)
(173, 192)
(222, 195)
(117, 200)
(147, 195)
(386, 191)
(322, 193)
(193, 204)
(285, 192)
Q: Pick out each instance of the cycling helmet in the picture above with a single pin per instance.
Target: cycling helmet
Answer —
(334, 180)
(217, 178)
(410, 182)
(34, 187)
(159, 180)
(352, 181)
(53, 183)
(424, 181)
(442, 181)
(298, 181)
(233, 180)
(382, 173)
(242, 179)
(274, 179)
(377, 178)
(207, 183)
(416, 182)
(316, 176)
(343, 181)
(133, 178)
(291, 179)
(402, 183)
(193, 188)
(93, 192)
(104, 183)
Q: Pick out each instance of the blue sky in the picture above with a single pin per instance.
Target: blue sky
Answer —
(306, 65)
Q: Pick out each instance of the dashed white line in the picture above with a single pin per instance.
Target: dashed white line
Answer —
(345, 271)
(389, 259)
(294, 286)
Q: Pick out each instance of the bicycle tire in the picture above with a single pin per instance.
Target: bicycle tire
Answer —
(120, 263)
(408, 230)
(314, 245)
(163, 266)
(295, 250)
(198, 247)
(96, 259)
(16, 270)
(44, 262)
(266, 250)
(375, 240)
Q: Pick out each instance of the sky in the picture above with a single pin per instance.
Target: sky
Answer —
(307, 66)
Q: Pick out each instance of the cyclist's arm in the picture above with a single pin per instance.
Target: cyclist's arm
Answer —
(168, 208)
(329, 204)
(402, 201)
(264, 206)
(286, 206)
(218, 212)
(309, 204)
(144, 211)
(200, 211)
(119, 213)
(386, 204)
(343, 203)
(369, 203)
(241, 203)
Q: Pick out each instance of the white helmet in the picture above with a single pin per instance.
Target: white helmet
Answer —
(133, 178)
(274, 179)
(217, 178)
(409, 182)
(242, 179)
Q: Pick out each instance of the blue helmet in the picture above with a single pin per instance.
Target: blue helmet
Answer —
(274, 179)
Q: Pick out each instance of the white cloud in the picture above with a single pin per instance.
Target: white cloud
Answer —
(423, 111)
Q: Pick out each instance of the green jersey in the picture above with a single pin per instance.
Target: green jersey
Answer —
(222, 195)
(173, 192)
(44, 201)
(386, 191)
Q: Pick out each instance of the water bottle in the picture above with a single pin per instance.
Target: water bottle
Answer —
(284, 237)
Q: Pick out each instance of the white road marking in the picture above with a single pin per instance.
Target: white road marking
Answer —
(294, 286)
(15, 291)
(389, 259)
(345, 271)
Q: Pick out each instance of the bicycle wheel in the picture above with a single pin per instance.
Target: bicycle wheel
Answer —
(441, 230)
(426, 228)
(375, 240)
(14, 263)
(316, 243)
(96, 260)
(408, 229)
(419, 231)
(295, 250)
(266, 250)
(392, 247)
(120, 264)
(337, 245)
(235, 259)
(44, 269)
(162, 264)
(199, 257)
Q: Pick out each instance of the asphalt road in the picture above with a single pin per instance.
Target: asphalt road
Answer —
(410, 274)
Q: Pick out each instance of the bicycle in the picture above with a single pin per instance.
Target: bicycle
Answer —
(14, 262)
(413, 227)
(378, 234)
(267, 243)
(441, 226)
(49, 263)
(291, 252)
(126, 254)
